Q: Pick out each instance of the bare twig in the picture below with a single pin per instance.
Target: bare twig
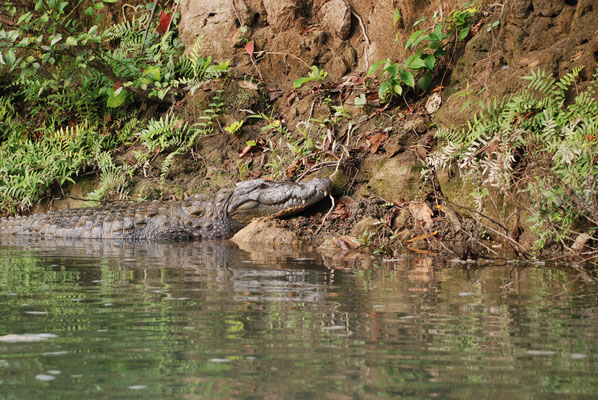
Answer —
(512, 242)
(315, 168)
(326, 216)
(123, 10)
(237, 13)
(148, 26)
(366, 50)
(264, 52)
(176, 8)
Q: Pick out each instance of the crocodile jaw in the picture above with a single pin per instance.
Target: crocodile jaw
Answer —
(261, 198)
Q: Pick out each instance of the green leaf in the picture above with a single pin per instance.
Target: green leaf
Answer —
(55, 39)
(109, 1)
(23, 19)
(397, 89)
(116, 99)
(71, 41)
(360, 101)
(152, 73)
(414, 36)
(384, 90)
(425, 81)
(430, 61)
(392, 69)
(397, 16)
(438, 32)
(251, 143)
(98, 5)
(234, 127)
(407, 78)
(10, 58)
(463, 34)
(377, 65)
(62, 6)
(297, 83)
(492, 26)
(89, 11)
(421, 39)
(419, 21)
(415, 62)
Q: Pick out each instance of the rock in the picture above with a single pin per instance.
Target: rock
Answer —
(336, 18)
(397, 178)
(457, 190)
(212, 22)
(283, 13)
(265, 231)
(336, 68)
(402, 220)
(368, 224)
(417, 125)
(396, 143)
(381, 31)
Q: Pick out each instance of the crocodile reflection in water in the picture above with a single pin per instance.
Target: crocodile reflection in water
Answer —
(252, 273)
(215, 216)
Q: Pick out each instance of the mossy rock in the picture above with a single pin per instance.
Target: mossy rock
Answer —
(396, 178)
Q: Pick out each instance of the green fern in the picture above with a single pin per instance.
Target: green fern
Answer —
(535, 135)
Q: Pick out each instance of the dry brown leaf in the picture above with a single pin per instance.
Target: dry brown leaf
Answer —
(245, 151)
(422, 237)
(248, 85)
(291, 170)
(346, 242)
(376, 140)
(345, 200)
(421, 212)
(249, 47)
(308, 29)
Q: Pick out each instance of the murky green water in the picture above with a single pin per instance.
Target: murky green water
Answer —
(208, 320)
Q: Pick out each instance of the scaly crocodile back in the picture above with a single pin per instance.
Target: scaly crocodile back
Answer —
(131, 220)
(197, 217)
(215, 216)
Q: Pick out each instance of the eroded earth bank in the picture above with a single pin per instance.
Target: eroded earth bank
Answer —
(303, 99)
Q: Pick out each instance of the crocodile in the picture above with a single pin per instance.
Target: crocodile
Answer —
(217, 216)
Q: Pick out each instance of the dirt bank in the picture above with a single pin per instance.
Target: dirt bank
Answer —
(385, 198)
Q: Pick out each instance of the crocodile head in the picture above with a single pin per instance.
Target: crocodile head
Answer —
(261, 198)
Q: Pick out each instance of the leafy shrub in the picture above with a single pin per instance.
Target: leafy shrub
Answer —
(70, 94)
(539, 144)
(428, 46)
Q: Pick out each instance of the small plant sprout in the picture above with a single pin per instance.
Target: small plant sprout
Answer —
(234, 128)
(316, 74)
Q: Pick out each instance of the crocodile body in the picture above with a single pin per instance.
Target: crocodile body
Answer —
(216, 216)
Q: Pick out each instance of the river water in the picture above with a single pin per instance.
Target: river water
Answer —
(102, 320)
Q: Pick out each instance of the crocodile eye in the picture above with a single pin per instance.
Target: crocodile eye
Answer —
(194, 211)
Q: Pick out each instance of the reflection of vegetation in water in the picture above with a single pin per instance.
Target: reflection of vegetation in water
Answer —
(230, 329)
